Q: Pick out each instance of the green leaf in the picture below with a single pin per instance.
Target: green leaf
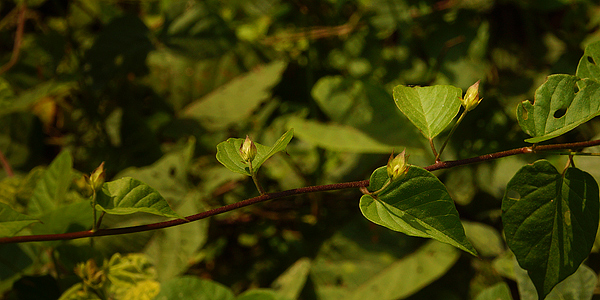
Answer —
(580, 285)
(360, 262)
(562, 103)
(486, 239)
(66, 218)
(550, 221)
(132, 277)
(11, 222)
(173, 248)
(417, 205)
(235, 101)
(342, 138)
(228, 153)
(193, 288)
(261, 294)
(53, 186)
(588, 64)
(429, 108)
(499, 291)
(291, 282)
(127, 196)
(28, 98)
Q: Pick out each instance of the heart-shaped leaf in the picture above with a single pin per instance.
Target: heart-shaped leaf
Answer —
(53, 185)
(417, 205)
(228, 153)
(127, 196)
(550, 221)
(430, 108)
(562, 103)
(11, 221)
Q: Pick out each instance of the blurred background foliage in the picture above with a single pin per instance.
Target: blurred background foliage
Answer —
(152, 86)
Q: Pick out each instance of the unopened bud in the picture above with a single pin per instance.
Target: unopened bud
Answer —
(397, 166)
(471, 99)
(96, 179)
(248, 150)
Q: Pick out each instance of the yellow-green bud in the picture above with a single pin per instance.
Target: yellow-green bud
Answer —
(397, 166)
(248, 150)
(96, 179)
(471, 99)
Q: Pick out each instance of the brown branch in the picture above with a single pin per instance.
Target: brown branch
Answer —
(311, 189)
(6, 165)
(18, 39)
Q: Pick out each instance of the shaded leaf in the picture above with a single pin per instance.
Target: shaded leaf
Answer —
(499, 291)
(261, 294)
(228, 153)
(350, 266)
(291, 282)
(417, 205)
(11, 222)
(429, 108)
(550, 221)
(236, 100)
(340, 137)
(172, 248)
(53, 186)
(485, 238)
(127, 195)
(562, 103)
(580, 285)
(193, 288)
(28, 98)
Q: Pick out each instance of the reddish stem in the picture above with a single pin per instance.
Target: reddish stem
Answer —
(276, 195)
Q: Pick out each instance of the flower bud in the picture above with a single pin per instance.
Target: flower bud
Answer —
(248, 150)
(471, 99)
(96, 179)
(397, 166)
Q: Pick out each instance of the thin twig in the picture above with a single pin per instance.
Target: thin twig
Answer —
(18, 39)
(310, 189)
(6, 165)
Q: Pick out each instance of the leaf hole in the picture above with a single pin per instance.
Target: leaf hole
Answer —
(591, 60)
(172, 172)
(559, 113)
(514, 195)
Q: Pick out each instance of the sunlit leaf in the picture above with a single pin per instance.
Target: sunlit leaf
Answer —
(11, 222)
(52, 187)
(236, 100)
(127, 195)
(193, 288)
(228, 153)
(131, 277)
(429, 108)
(418, 205)
(550, 221)
(562, 103)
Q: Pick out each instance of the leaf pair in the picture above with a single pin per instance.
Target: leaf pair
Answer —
(228, 153)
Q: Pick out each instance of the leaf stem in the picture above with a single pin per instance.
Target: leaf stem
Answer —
(462, 116)
(255, 179)
(271, 196)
